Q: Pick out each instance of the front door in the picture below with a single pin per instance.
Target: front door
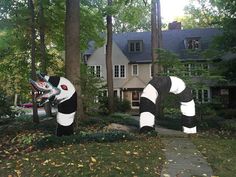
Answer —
(135, 99)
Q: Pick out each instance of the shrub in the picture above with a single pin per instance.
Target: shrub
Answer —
(228, 113)
(82, 137)
(228, 125)
(122, 105)
(119, 105)
(5, 108)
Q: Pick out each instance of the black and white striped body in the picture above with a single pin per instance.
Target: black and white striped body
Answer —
(160, 86)
(67, 104)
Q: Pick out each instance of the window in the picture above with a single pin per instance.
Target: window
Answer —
(135, 46)
(116, 71)
(201, 95)
(96, 70)
(134, 70)
(122, 70)
(196, 69)
(192, 43)
(119, 71)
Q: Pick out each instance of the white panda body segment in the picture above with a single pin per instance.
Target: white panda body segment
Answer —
(150, 93)
(65, 119)
(177, 85)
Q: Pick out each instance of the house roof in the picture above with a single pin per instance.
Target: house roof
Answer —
(134, 82)
(173, 40)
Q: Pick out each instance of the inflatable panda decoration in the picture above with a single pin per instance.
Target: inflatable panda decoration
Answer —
(59, 90)
(162, 85)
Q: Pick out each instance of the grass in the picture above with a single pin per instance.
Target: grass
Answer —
(219, 151)
(28, 150)
(89, 159)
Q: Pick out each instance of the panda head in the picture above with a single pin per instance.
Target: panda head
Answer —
(43, 90)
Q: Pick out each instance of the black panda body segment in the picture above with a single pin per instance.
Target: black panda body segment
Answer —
(160, 86)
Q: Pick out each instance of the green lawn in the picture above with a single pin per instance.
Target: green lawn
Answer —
(220, 152)
(26, 150)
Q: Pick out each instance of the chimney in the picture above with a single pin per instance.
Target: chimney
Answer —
(174, 25)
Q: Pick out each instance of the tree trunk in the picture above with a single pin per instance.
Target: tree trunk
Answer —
(109, 62)
(156, 41)
(15, 99)
(72, 51)
(154, 38)
(47, 106)
(33, 70)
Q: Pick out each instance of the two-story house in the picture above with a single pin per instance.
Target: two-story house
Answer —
(131, 59)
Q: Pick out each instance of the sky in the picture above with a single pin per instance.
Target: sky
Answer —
(171, 9)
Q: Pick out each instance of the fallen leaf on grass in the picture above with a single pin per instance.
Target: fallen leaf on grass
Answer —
(93, 160)
(18, 172)
(80, 165)
(118, 168)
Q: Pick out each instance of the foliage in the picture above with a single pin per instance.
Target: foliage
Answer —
(228, 125)
(213, 13)
(226, 68)
(170, 63)
(227, 113)
(14, 40)
(54, 141)
(5, 108)
(200, 14)
(120, 105)
(135, 16)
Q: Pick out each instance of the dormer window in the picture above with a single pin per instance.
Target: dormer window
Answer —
(192, 43)
(135, 46)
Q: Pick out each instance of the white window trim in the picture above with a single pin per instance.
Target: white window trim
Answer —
(208, 95)
(95, 70)
(119, 70)
(189, 71)
(135, 49)
(133, 69)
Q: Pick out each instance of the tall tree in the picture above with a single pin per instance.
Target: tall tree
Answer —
(33, 45)
(42, 36)
(109, 60)
(47, 106)
(72, 50)
(156, 35)
(156, 42)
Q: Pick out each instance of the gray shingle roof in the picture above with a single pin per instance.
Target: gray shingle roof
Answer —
(173, 40)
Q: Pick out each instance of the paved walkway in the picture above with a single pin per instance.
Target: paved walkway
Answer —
(182, 157)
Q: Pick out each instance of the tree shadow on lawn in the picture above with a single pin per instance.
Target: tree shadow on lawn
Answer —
(82, 137)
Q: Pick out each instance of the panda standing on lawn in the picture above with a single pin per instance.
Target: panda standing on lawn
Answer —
(59, 90)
